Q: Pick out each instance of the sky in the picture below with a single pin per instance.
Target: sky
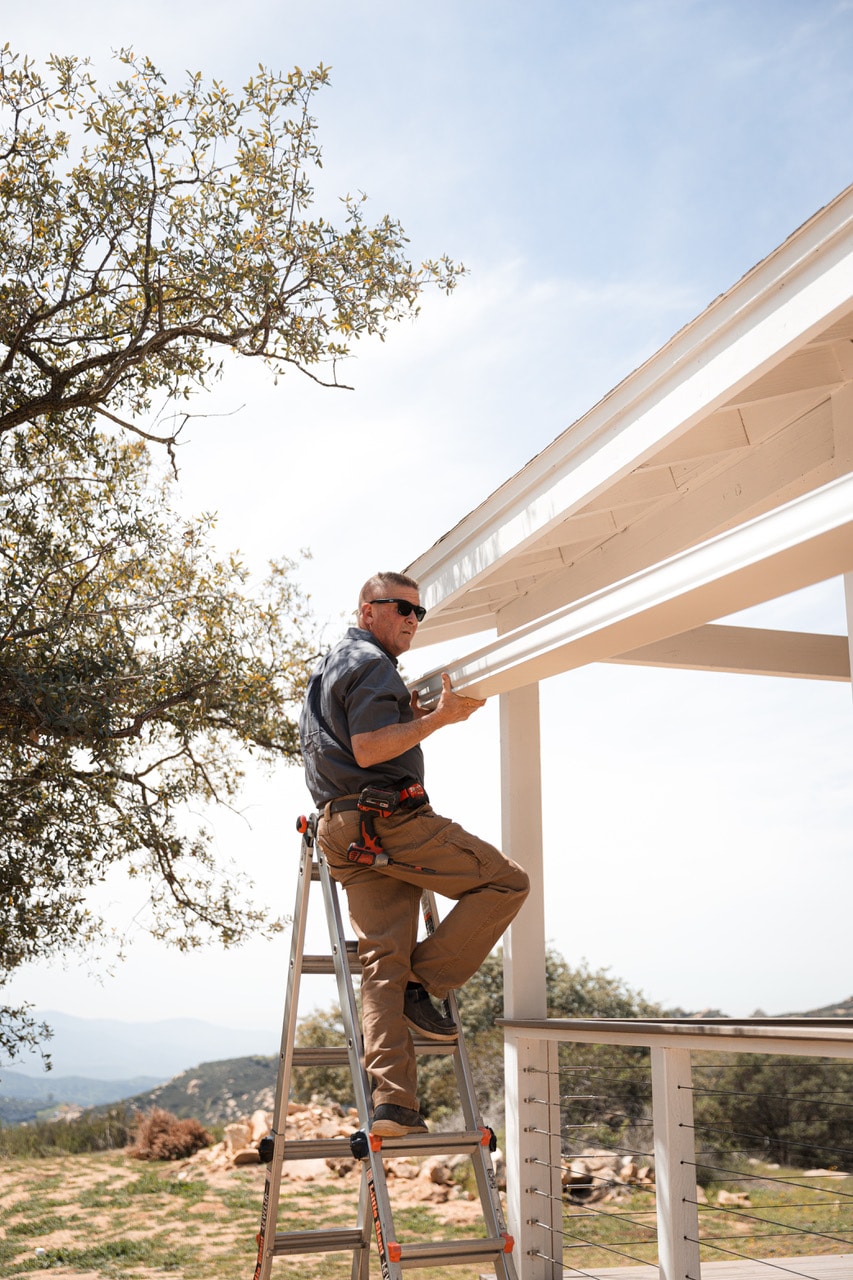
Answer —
(604, 169)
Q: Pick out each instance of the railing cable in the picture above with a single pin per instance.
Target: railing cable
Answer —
(763, 1262)
(558, 1262)
(765, 1177)
(587, 1244)
(804, 1146)
(770, 1222)
(747, 1093)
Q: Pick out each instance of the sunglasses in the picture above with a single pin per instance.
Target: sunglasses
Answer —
(404, 607)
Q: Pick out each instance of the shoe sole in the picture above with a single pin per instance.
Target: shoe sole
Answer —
(390, 1129)
(447, 1036)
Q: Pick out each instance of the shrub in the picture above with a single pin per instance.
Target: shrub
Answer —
(159, 1135)
(109, 1130)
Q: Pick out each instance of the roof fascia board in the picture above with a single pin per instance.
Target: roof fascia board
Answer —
(805, 541)
(754, 651)
(785, 300)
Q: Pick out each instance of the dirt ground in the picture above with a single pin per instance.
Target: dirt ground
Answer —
(101, 1215)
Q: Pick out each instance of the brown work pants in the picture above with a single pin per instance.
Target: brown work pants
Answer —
(428, 852)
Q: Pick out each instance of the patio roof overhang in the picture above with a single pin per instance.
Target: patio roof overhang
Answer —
(716, 476)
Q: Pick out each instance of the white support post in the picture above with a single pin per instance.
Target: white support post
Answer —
(530, 1139)
(848, 598)
(842, 432)
(675, 1165)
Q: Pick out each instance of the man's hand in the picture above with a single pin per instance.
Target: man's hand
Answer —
(453, 707)
(385, 744)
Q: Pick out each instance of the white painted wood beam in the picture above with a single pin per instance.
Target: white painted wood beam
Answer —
(748, 651)
(798, 458)
(806, 541)
(720, 432)
(790, 297)
(810, 368)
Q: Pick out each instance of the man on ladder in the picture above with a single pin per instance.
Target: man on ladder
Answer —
(361, 733)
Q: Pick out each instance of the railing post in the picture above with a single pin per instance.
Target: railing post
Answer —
(675, 1165)
(528, 1151)
(534, 1195)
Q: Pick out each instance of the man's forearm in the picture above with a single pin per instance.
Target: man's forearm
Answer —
(386, 744)
(393, 740)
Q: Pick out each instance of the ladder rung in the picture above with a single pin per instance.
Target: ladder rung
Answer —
(414, 1144)
(326, 1055)
(317, 1149)
(423, 1144)
(433, 1046)
(317, 1241)
(451, 1252)
(332, 1055)
(326, 964)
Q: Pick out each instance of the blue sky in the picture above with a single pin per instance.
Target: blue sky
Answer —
(604, 168)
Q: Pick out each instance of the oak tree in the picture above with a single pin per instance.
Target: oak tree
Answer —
(146, 232)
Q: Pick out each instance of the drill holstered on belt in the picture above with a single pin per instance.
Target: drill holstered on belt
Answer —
(373, 802)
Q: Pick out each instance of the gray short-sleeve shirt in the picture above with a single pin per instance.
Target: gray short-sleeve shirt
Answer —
(356, 688)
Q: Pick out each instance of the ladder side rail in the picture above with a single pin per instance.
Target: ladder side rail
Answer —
(481, 1160)
(361, 1257)
(272, 1183)
(346, 992)
(374, 1192)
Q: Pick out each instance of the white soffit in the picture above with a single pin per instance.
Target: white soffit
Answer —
(795, 546)
(747, 400)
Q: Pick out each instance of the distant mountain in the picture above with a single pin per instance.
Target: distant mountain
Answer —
(24, 1098)
(108, 1049)
(75, 1089)
(844, 1009)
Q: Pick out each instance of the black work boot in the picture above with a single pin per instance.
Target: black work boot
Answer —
(421, 1015)
(390, 1121)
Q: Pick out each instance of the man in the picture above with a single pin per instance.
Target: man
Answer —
(360, 729)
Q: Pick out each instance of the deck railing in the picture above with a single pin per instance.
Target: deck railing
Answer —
(537, 1141)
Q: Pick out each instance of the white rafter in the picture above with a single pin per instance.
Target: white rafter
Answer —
(803, 542)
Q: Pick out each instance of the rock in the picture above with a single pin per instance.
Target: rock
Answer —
(306, 1170)
(246, 1155)
(740, 1198)
(238, 1135)
(259, 1126)
(436, 1169)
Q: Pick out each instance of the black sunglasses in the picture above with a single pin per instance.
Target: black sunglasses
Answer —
(404, 607)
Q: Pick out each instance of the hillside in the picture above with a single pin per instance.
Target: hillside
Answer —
(844, 1009)
(216, 1092)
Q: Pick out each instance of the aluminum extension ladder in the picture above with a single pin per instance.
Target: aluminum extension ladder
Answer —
(373, 1214)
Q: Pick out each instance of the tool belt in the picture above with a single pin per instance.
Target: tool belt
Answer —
(382, 800)
(372, 803)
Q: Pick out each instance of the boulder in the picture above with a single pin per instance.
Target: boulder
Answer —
(740, 1198)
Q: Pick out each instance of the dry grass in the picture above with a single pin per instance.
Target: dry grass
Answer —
(101, 1215)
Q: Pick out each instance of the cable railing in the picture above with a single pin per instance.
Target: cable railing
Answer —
(681, 1150)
